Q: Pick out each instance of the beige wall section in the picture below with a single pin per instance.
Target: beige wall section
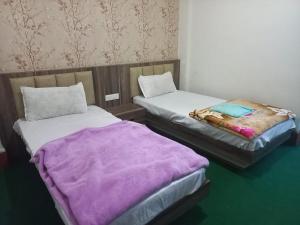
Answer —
(248, 49)
(52, 34)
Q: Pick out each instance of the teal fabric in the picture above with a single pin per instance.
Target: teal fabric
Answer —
(233, 110)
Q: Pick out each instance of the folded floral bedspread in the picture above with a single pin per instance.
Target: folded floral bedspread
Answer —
(98, 173)
(261, 118)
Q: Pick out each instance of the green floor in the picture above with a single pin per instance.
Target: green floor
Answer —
(267, 194)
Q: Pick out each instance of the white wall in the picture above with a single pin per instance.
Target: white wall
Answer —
(185, 25)
(239, 48)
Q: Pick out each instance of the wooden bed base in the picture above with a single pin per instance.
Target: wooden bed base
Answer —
(178, 209)
(296, 139)
(206, 145)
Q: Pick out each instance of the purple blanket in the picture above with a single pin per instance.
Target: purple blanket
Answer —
(97, 174)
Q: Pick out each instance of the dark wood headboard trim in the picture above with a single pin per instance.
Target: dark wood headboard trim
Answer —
(107, 80)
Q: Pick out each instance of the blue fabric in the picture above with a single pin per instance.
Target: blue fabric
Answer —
(233, 110)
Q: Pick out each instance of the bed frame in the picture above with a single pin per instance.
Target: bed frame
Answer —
(182, 206)
(227, 154)
(106, 80)
(202, 143)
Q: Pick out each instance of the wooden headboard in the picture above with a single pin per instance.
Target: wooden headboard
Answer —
(106, 80)
(157, 69)
(55, 80)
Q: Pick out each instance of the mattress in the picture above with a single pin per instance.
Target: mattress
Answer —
(37, 133)
(177, 105)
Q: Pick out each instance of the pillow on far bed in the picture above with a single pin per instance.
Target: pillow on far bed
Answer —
(43, 103)
(155, 85)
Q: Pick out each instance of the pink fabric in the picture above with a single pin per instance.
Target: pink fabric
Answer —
(98, 173)
(245, 131)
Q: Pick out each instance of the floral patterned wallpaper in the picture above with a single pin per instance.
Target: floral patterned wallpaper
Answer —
(51, 34)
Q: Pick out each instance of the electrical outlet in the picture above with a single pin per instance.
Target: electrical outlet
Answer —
(112, 97)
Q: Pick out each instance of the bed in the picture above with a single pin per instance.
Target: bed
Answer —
(160, 207)
(62, 126)
(169, 114)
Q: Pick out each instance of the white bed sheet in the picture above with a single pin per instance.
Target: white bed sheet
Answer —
(176, 107)
(37, 133)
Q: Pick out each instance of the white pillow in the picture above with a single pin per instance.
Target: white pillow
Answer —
(155, 85)
(43, 103)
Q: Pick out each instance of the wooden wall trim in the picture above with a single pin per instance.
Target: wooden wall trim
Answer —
(107, 80)
(116, 79)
